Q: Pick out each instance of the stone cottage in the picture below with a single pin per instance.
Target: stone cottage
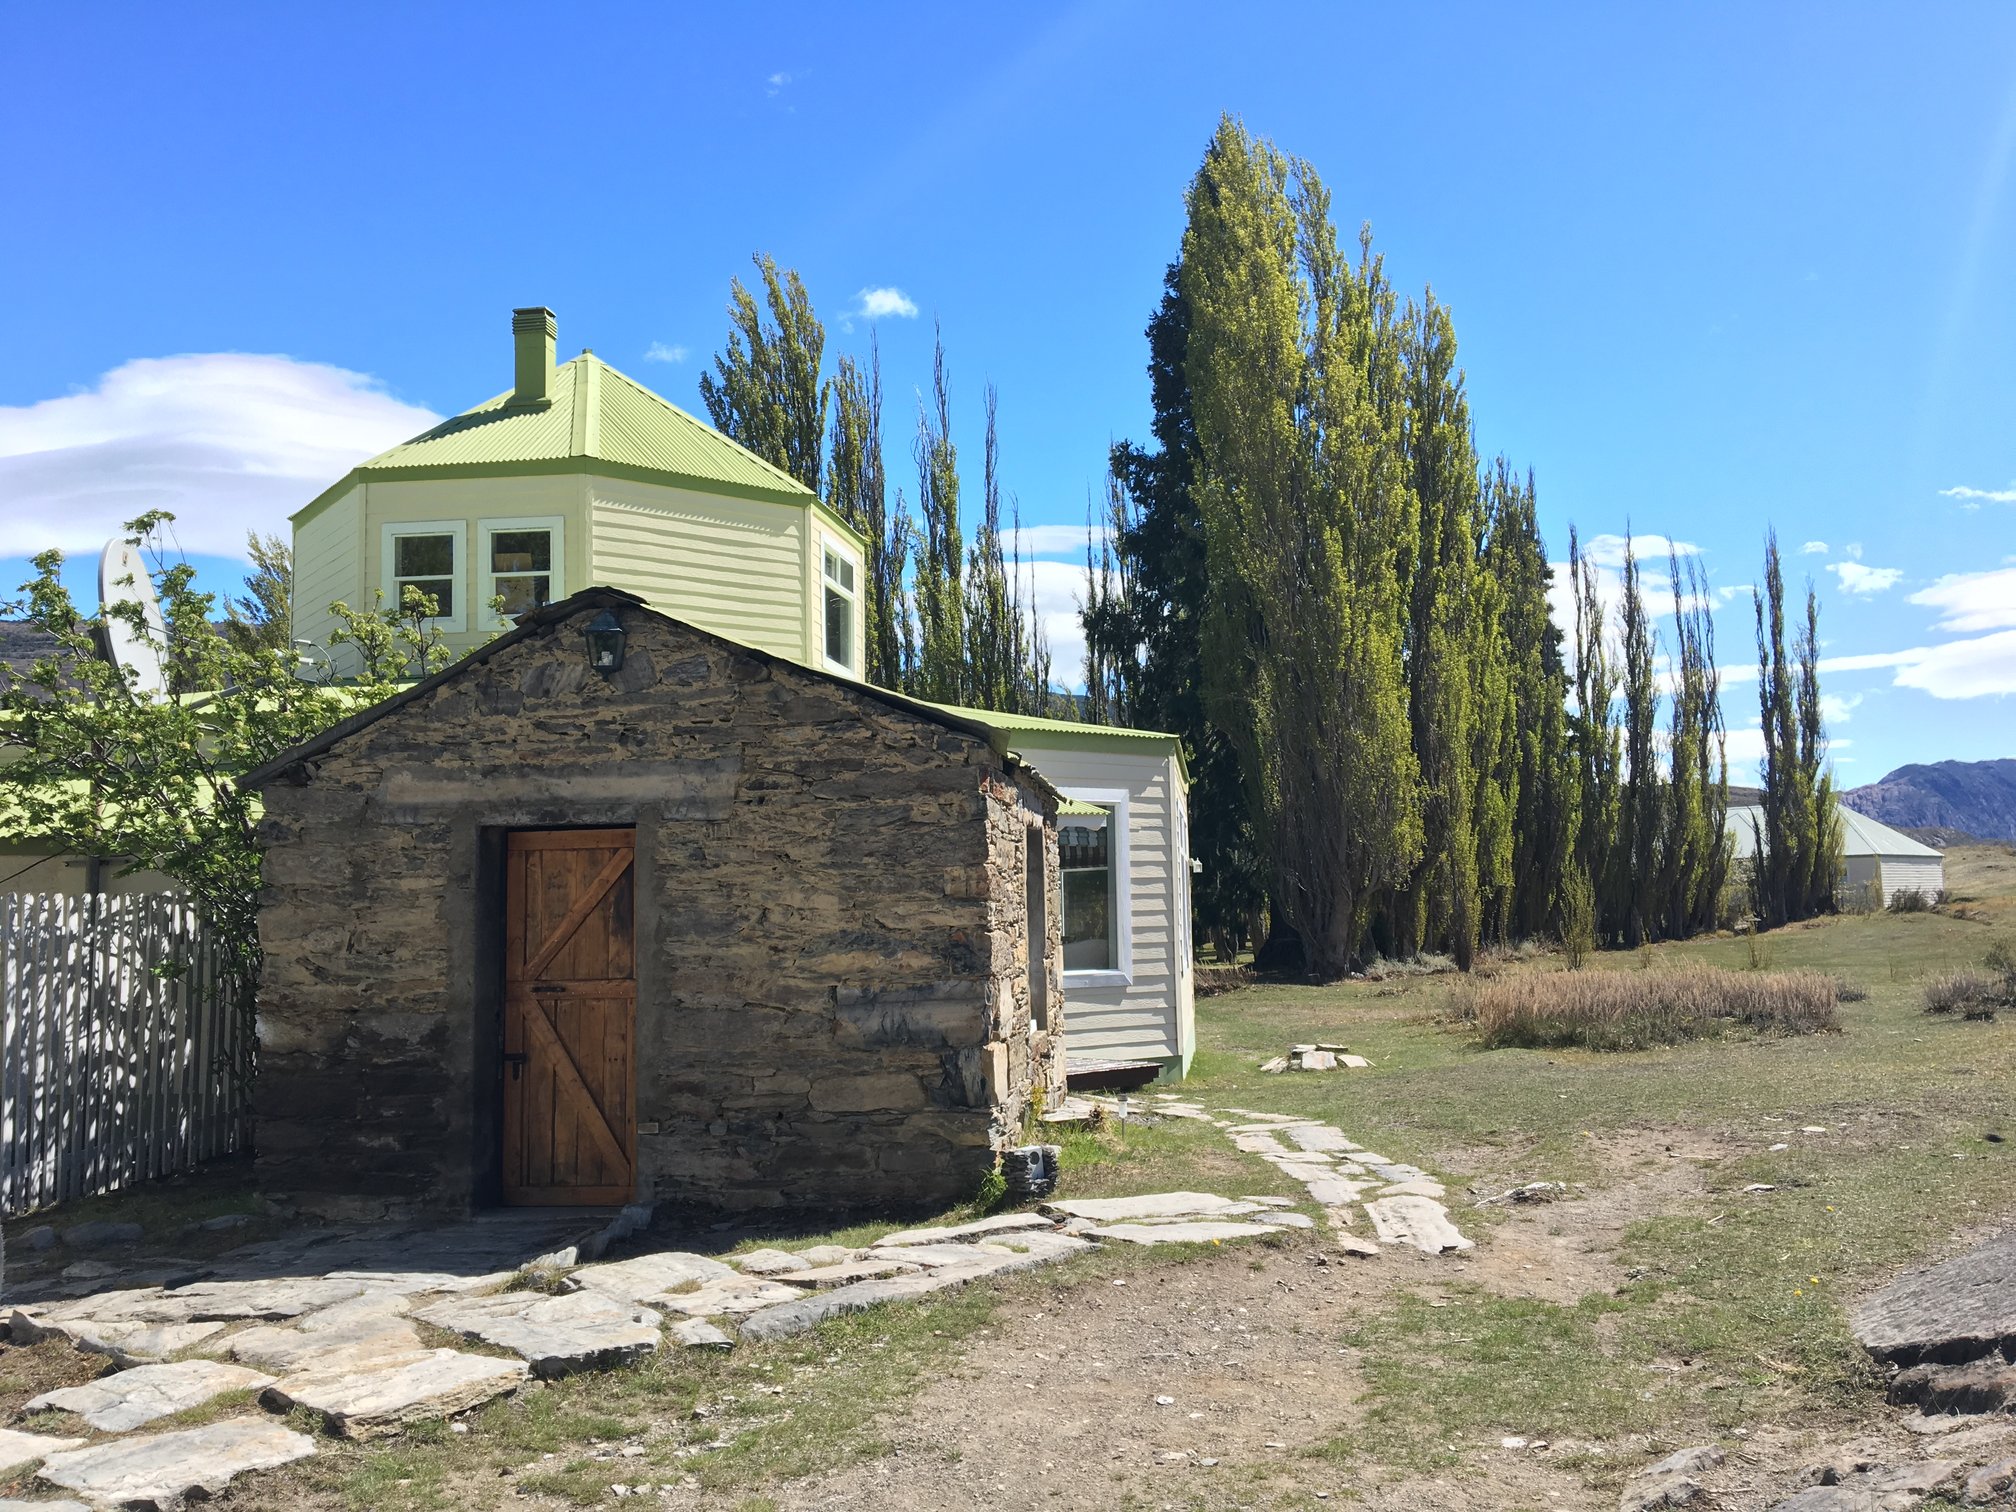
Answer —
(617, 909)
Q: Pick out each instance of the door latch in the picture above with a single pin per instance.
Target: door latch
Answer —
(516, 1060)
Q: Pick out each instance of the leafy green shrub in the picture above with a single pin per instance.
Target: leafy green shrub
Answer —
(1620, 1010)
(993, 1187)
(1578, 918)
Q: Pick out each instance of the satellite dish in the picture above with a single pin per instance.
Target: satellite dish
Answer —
(123, 579)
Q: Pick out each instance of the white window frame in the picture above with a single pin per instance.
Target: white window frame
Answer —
(459, 529)
(555, 525)
(825, 544)
(1120, 803)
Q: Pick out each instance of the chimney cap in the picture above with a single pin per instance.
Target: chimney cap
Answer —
(533, 317)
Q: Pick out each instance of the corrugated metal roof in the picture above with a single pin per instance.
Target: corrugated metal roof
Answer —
(1860, 835)
(1072, 808)
(1031, 724)
(596, 412)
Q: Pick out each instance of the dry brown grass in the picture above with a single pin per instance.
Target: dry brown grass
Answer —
(1633, 1010)
(1971, 993)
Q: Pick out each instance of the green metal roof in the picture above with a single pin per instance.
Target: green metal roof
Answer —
(1031, 732)
(598, 420)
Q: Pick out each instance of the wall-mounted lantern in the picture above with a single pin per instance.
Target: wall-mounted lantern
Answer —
(605, 636)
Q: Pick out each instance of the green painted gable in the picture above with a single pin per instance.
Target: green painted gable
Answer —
(598, 420)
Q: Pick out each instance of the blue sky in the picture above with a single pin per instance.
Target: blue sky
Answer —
(1713, 268)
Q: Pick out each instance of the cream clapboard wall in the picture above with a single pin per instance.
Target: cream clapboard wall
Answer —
(1924, 874)
(734, 566)
(327, 567)
(1151, 1018)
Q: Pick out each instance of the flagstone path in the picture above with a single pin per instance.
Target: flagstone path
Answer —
(331, 1321)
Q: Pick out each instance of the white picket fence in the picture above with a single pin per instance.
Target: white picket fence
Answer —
(119, 1061)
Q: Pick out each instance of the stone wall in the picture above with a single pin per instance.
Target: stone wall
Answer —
(833, 969)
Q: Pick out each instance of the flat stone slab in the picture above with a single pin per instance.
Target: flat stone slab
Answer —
(8, 1504)
(131, 1398)
(827, 1254)
(1153, 1205)
(823, 1277)
(1422, 1188)
(729, 1298)
(1957, 1310)
(1419, 1221)
(767, 1262)
(1183, 1233)
(698, 1333)
(1319, 1137)
(127, 1343)
(650, 1278)
(368, 1345)
(1332, 1191)
(155, 1472)
(556, 1336)
(1001, 1223)
(372, 1403)
(934, 1256)
(17, 1448)
(1258, 1144)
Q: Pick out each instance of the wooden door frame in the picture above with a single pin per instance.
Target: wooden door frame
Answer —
(489, 938)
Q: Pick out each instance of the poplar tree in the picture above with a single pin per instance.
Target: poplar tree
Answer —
(941, 606)
(1799, 839)
(1145, 640)
(1643, 801)
(1294, 370)
(1447, 639)
(858, 490)
(1593, 738)
(766, 391)
(1695, 853)
(1007, 665)
(1107, 613)
(1536, 765)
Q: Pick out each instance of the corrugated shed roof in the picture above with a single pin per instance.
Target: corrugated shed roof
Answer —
(597, 413)
(1860, 835)
(1032, 724)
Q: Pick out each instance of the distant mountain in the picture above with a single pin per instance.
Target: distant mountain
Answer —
(1974, 797)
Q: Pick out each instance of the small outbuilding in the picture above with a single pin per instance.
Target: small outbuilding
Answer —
(1877, 862)
(616, 909)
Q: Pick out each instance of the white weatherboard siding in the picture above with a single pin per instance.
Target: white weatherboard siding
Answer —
(1872, 853)
(1923, 874)
(327, 567)
(733, 566)
(1149, 1016)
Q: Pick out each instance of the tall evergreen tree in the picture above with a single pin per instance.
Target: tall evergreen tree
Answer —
(941, 605)
(1295, 378)
(766, 391)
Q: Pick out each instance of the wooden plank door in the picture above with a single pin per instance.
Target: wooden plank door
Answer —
(570, 1015)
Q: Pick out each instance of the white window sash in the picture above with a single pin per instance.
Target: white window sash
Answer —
(556, 528)
(1119, 803)
(852, 665)
(459, 576)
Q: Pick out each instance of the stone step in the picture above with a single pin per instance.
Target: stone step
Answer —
(556, 1336)
(372, 1403)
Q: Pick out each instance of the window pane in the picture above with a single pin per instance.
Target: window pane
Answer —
(840, 570)
(1088, 919)
(521, 551)
(839, 628)
(523, 594)
(441, 590)
(422, 555)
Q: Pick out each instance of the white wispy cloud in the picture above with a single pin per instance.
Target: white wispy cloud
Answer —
(228, 441)
(1608, 550)
(658, 351)
(1839, 707)
(1976, 668)
(1856, 578)
(776, 84)
(874, 304)
(1972, 601)
(1974, 497)
(1068, 541)
(1059, 591)
(1853, 551)
(1813, 548)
